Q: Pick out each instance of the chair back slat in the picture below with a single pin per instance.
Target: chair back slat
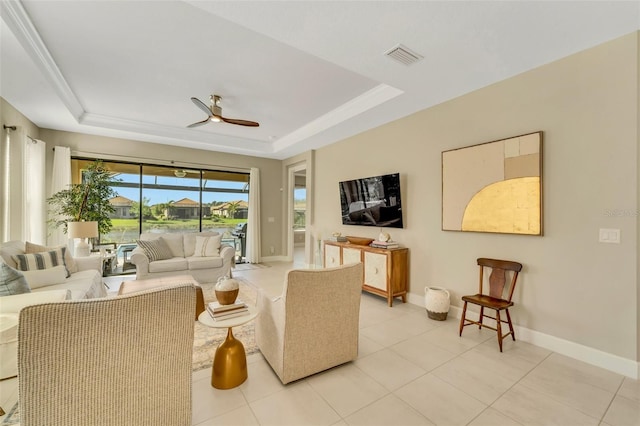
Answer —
(497, 281)
(500, 270)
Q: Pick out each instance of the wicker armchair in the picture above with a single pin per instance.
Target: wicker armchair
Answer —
(116, 361)
(314, 324)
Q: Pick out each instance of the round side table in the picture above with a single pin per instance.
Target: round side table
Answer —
(230, 361)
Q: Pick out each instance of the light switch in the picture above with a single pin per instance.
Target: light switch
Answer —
(271, 219)
(609, 236)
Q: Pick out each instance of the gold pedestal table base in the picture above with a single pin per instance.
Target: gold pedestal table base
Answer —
(229, 364)
(230, 361)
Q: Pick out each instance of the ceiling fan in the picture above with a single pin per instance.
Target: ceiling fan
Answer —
(215, 113)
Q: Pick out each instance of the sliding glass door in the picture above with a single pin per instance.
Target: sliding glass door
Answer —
(153, 198)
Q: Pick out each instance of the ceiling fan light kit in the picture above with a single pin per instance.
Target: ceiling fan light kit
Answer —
(214, 113)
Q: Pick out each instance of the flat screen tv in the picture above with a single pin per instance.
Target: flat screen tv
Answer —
(372, 201)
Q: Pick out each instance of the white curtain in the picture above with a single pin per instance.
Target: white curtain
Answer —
(5, 211)
(60, 179)
(33, 192)
(253, 224)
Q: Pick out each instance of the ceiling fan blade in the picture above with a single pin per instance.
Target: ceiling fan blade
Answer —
(201, 105)
(199, 123)
(240, 122)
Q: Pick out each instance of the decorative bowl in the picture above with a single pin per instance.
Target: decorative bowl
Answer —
(360, 240)
(226, 297)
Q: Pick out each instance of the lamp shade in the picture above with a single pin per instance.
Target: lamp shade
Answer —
(82, 229)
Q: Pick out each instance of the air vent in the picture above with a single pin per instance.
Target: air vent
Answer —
(403, 55)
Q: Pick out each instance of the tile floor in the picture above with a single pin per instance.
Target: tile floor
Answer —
(415, 371)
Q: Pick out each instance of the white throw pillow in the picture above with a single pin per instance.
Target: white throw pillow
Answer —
(175, 243)
(207, 246)
(44, 277)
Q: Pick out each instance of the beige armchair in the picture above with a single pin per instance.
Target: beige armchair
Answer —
(115, 361)
(314, 324)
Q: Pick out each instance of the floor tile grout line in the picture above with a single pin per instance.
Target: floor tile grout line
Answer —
(513, 385)
(253, 413)
(493, 408)
(612, 399)
(551, 353)
(325, 400)
(408, 403)
(516, 383)
(547, 395)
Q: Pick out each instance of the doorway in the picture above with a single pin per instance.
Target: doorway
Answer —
(297, 208)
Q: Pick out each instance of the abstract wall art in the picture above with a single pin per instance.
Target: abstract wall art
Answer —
(494, 186)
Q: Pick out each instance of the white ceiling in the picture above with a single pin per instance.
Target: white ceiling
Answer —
(311, 72)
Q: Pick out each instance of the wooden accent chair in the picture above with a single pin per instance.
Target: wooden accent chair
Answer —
(498, 298)
(314, 324)
(125, 360)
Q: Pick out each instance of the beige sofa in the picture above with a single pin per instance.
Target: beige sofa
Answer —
(314, 324)
(85, 282)
(184, 259)
(46, 286)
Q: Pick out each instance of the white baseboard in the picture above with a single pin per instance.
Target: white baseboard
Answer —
(611, 362)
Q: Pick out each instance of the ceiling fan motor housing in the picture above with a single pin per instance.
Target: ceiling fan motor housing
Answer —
(216, 109)
(214, 112)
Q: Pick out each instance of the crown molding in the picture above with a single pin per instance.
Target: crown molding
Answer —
(369, 99)
(184, 137)
(18, 20)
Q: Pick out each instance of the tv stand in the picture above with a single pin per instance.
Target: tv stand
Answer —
(386, 271)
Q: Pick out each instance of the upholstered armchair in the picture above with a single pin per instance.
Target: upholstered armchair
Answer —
(125, 360)
(314, 324)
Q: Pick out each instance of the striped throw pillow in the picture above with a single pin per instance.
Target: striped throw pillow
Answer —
(207, 246)
(69, 262)
(43, 260)
(155, 249)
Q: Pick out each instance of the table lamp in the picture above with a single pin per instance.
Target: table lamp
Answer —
(82, 230)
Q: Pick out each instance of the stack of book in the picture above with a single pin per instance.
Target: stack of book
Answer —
(384, 244)
(339, 239)
(222, 312)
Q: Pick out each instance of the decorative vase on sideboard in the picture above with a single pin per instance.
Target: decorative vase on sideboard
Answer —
(437, 302)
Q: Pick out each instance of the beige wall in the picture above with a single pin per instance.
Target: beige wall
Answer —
(12, 117)
(572, 287)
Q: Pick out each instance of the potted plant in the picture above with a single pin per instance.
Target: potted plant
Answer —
(87, 201)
